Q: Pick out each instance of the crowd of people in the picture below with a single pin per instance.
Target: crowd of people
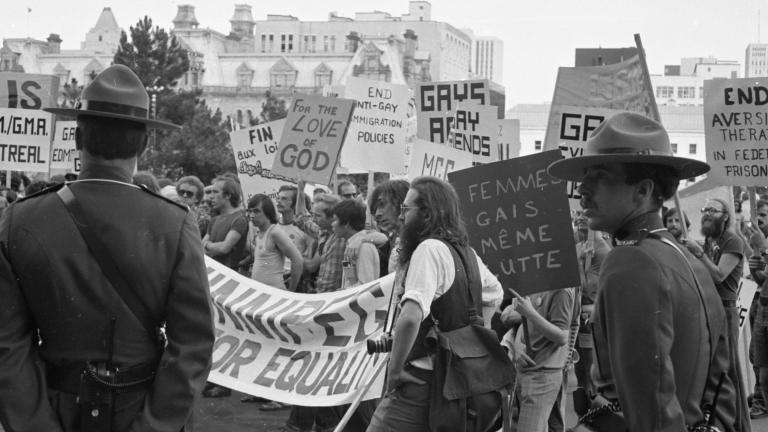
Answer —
(651, 330)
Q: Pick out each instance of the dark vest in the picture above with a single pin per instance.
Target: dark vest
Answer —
(452, 310)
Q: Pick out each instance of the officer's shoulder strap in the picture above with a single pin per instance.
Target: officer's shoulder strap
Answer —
(42, 192)
(155, 194)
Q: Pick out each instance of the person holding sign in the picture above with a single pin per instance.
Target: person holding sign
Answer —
(437, 271)
(88, 271)
(661, 343)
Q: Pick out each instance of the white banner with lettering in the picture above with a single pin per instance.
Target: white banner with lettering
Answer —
(303, 349)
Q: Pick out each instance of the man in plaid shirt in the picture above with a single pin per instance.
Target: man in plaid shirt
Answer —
(327, 260)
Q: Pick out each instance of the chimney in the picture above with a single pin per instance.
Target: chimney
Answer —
(411, 43)
(185, 18)
(242, 21)
(54, 44)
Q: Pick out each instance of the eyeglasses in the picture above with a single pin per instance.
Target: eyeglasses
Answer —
(186, 193)
(404, 209)
(711, 211)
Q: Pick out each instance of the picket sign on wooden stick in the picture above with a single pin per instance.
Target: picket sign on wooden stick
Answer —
(683, 225)
(361, 393)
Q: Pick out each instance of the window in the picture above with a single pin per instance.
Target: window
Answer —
(664, 91)
(686, 92)
(313, 45)
(333, 43)
(701, 92)
(263, 42)
(306, 43)
(271, 43)
(282, 79)
(537, 145)
(674, 148)
(692, 149)
(282, 43)
(290, 43)
(323, 78)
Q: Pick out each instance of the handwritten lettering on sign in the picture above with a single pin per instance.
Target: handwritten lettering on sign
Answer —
(315, 130)
(736, 130)
(519, 222)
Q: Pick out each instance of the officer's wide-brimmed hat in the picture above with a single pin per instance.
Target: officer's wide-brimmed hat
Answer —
(627, 138)
(115, 93)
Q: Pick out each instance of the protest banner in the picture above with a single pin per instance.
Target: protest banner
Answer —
(508, 140)
(25, 139)
(312, 137)
(619, 86)
(436, 103)
(519, 222)
(303, 349)
(474, 131)
(64, 155)
(568, 129)
(28, 91)
(376, 137)
(736, 130)
(437, 160)
(254, 149)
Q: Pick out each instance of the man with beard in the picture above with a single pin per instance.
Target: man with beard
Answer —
(674, 224)
(661, 350)
(434, 252)
(723, 256)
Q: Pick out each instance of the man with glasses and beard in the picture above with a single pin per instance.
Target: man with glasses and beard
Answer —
(723, 256)
(434, 246)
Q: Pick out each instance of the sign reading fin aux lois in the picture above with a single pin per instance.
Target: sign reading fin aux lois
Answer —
(736, 130)
(312, 138)
(519, 222)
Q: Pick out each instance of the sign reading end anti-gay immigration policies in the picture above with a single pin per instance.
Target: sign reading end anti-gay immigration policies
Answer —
(519, 222)
(736, 130)
(312, 137)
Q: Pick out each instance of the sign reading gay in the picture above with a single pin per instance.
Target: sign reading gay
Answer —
(312, 137)
(474, 131)
(255, 150)
(436, 105)
(736, 130)
(519, 222)
(64, 154)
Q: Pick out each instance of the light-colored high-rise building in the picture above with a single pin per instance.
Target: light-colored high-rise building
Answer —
(488, 58)
(756, 60)
(683, 84)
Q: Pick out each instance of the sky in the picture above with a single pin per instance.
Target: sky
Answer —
(539, 35)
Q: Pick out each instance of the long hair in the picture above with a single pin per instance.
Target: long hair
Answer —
(392, 191)
(440, 213)
(267, 206)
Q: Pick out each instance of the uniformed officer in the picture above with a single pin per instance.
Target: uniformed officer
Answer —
(88, 274)
(659, 326)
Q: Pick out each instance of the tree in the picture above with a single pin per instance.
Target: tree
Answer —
(70, 93)
(200, 148)
(156, 57)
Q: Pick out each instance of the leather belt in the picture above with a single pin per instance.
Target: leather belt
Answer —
(66, 379)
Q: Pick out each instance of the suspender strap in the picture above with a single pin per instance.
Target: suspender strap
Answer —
(109, 268)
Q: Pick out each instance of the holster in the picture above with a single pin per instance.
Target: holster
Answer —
(96, 387)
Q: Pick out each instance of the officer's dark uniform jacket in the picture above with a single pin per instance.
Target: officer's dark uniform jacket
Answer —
(51, 284)
(660, 346)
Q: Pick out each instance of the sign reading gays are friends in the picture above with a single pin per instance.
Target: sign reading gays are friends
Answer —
(519, 222)
(312, 137)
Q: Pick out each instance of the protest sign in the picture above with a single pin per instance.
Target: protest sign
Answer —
(508, 140)
(736, 130)
(28, 91)
(747, 289)
(376, 137)
(312, 137)
(619, 86)
(303, 349)
(568, 129)
(255, 149)
(25, 139)
(519, 222)
(64, 155)
(474, 130)
(436, 103)
(437, 160)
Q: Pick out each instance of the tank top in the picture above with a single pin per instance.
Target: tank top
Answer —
(267, 260)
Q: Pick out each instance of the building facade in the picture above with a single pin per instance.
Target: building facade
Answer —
(756, 60)
(487, 57)
(683, 85)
